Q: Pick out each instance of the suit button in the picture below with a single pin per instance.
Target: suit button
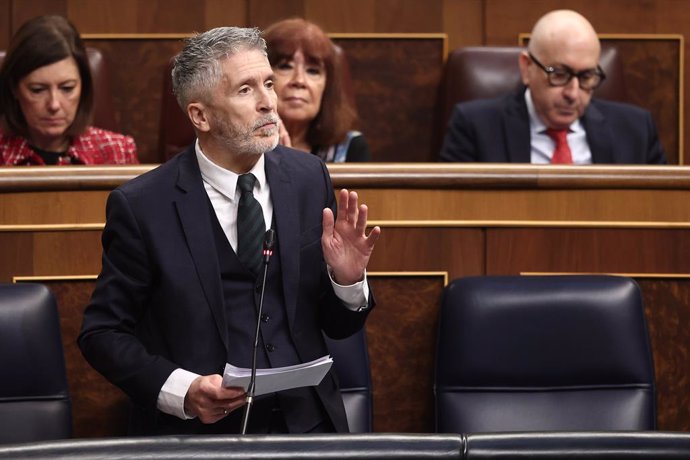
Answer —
(265, 317)
(270, 347)
(258, 288)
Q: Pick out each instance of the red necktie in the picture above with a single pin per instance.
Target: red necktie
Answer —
(561, 154)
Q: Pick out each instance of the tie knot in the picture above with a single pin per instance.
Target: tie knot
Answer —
(246, 182)
(558, 135)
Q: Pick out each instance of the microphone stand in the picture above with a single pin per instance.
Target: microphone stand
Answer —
(269, 242)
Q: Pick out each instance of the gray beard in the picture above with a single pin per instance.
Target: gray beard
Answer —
(242, 141)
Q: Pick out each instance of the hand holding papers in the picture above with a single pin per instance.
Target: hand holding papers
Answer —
(278, 378)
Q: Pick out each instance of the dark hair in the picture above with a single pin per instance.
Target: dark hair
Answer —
(42, 41)
(337, 114)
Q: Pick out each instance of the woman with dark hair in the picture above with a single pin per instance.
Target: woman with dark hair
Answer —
(46, 101)
(312, 102)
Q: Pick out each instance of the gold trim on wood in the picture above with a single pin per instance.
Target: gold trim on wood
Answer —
(444, 274)
(19, 279)
(178, 36)
(51, 227)
(629, 275)
(403, 35)
(522, 36)
(524, 223)
(404, 224)
(681, 101)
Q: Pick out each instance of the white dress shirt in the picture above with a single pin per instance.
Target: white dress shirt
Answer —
(221, 186)
(542, 146)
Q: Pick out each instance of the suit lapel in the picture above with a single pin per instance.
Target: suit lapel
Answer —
(192, 208)
(598, 135)
(516, 129)
(286, 224)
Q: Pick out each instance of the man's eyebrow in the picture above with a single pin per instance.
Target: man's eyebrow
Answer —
(247, 81)
(253, 79)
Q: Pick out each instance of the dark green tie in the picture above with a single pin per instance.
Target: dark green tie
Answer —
(250, 225)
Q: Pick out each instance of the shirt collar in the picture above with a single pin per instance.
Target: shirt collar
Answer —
(224, 180)
(537, 126)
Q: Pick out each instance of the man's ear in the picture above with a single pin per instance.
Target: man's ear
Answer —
(524, 62)
(198, 115)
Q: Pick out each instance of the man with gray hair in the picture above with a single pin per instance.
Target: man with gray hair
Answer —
(182, 271)
(553, 118)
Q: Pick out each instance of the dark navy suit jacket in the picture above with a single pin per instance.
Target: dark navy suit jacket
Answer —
(498, 131)
(158, 303)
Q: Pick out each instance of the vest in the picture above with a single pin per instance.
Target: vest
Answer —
(301, 407)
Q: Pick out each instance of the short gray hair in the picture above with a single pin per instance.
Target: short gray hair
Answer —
(197, 69)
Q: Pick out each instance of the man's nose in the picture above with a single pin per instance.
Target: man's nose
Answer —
(571, 88)
(267, 100)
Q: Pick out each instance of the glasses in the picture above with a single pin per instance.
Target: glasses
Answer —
(560, 76)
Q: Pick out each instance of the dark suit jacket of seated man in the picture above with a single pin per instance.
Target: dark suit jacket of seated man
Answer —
(498, 131)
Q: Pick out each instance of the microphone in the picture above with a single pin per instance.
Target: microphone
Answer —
(269, 242)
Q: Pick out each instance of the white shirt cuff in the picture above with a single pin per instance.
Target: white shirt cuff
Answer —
(355, 296)
(171, 396)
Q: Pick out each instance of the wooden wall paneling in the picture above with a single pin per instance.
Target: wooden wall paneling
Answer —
(16, 254)
(226, 13)
(138, 65)
(673, 17)
(23, 10)
(263, 13)
(5, 23)
(56, 208)
(141, 16)
(408, 271)
(400, 333)
(396, 79)
(104, 16)
(58, 252)
(411, 16)
(354, 16)
(170, 16)
(547, 208)
(584, 250)
(653, 77)
(463, 22)
(667, 307)
(505, 19)
(453, 250)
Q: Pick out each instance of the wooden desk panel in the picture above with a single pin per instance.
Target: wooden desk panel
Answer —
(439, 222)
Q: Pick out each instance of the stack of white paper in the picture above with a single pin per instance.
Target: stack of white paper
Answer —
(278, 378)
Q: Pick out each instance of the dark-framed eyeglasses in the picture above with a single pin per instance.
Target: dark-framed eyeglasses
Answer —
(588, 79)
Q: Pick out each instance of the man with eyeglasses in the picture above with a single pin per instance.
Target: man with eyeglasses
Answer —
(554, 119)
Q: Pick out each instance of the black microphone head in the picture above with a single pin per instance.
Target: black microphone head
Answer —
(269, 239)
